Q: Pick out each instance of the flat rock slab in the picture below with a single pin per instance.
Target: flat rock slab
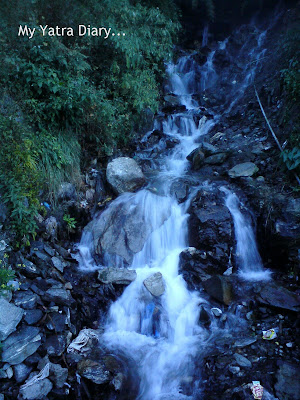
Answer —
(277, 296)
(242, 361)
(117, 276)
(10, 316)
(244, 169)
(155, 284)
(21, 345)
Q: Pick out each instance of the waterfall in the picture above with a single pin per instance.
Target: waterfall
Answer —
(162, 334)
(248, 258)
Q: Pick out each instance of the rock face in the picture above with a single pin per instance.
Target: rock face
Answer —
(21, 345)
(10, 316)
(244, 169)
(155, 284)
(117, 276)
(124, 175)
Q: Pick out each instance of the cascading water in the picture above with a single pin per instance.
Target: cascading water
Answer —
(161, 333)
(248, 258)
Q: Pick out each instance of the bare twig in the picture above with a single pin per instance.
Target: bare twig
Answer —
(273, 133)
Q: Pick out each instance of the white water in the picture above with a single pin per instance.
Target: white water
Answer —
(248, 258)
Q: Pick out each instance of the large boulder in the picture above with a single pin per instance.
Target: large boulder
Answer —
(124, 175)
(123, 228)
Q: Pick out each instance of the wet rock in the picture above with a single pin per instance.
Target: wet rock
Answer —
(67, 191)
(123, 243)
(276, 296)
(21, 345)
(10, 316)
(59, 296)
(180, 190)
(243, 170)
(220, 288)
(117, 276)
(242, 361)
(216, 311)
(26, 300)
(155, 284)
(21, 372)
(33, 316)
(124, 175)
(94, 371)
(198, 158)
(288, 383)
(204, 316)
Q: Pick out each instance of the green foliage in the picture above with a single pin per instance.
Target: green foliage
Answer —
(291, 158)
(6, 273)
(70, 221)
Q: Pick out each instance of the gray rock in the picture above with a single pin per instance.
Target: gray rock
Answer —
(234, 369)
(124, 175)
(26, 299)
(198, 159)
(117, 276)
(21, 372)
(288, 383)
(220, 288)
(155, 284)
(21, 345)
(37, 390)
(59, 296)
(94, 371)
(33, 316)
(277, 296)
(123, 243)
(58, 264)
(216, 311)
(216, 159)
(244, 169)
(10, 316)
(242, 361)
